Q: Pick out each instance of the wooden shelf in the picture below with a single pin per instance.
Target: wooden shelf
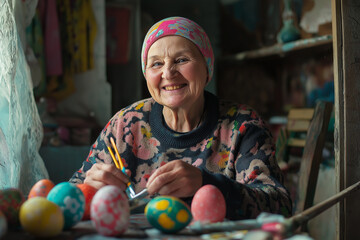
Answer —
(282, 50)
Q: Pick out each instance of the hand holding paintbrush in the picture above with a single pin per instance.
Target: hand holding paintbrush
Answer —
(119, 164)
(133, 197)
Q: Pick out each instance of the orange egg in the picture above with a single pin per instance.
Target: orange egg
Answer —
(89, 192)
(41, 188)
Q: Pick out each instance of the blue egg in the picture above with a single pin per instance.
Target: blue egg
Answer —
(168, 214)
(71, 200)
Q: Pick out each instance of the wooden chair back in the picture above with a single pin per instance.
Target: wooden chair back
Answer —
(298, 122)
(293, 134)
(313, 123)
(312, 155)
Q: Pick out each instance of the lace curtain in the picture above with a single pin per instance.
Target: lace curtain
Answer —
(20, 127)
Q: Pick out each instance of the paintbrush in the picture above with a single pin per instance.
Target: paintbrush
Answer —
(121, 166)
(291, 225)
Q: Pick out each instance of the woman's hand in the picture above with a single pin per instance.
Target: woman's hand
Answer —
(101, 174)
(175, 178)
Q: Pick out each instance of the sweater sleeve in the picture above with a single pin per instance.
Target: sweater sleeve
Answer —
(258, 186)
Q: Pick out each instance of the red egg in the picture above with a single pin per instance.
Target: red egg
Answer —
(89, 192)
(41, 188)
(208, 205)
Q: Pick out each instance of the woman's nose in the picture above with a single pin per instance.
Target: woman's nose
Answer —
(169, 71)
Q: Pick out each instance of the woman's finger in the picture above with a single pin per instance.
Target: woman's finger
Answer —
(117, 173)
(128, 172)
(106, 174)
(159, 182)
(175, 178)
(161, 170)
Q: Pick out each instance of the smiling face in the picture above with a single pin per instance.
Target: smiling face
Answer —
(176, 72)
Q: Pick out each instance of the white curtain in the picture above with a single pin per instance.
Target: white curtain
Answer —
(20, 127)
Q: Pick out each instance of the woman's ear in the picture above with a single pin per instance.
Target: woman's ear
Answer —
(207, 80)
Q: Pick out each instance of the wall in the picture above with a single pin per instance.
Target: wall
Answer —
(125, 76)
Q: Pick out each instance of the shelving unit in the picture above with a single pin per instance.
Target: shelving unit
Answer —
(282, 50)
(265, 78)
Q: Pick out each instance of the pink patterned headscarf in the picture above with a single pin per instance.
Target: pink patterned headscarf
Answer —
(184, 27)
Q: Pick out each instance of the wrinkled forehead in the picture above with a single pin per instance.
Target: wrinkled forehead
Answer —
(173, 46)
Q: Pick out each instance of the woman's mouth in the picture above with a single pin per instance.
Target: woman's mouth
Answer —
(173, 87)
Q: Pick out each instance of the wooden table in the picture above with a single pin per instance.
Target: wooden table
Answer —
(139, 228)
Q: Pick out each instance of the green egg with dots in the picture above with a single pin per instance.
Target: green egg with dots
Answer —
(168, 214)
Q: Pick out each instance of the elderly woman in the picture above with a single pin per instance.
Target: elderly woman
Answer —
(184, 137)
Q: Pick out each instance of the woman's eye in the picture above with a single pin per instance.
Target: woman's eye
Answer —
(156, 64)
(181, 60)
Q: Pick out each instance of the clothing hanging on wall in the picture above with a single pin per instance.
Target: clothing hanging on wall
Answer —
(68, 31)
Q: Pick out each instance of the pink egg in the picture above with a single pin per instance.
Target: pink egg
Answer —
(41, 188)
(109, 211)
(208, 205)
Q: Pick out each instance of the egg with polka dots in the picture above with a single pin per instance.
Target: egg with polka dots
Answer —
(208, 205)
(41, 188)
(71, 200)
(168, 214)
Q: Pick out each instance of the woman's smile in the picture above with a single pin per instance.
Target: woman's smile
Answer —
(174, 87)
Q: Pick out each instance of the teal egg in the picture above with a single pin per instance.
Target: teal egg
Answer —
(71, 200)
(168, 214)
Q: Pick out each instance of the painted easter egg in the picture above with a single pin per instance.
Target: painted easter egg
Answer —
(41, 217)
(3, 224)
(11, 200)
(208, 205)
(71, 201)
(89, 192)
(110, 211)
(41, 188)
(168, 214)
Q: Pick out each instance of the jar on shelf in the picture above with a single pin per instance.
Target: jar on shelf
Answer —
(289, 31)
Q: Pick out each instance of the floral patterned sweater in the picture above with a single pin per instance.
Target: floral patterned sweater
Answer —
(232, 147)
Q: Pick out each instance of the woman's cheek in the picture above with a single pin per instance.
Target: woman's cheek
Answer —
(153, 76)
